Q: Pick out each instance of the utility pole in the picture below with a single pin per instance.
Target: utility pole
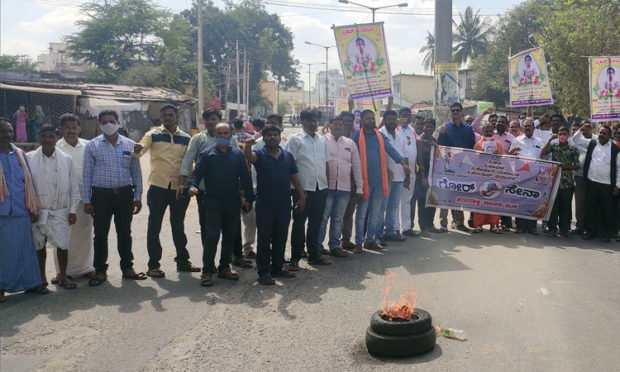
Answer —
(326, 81)
(238, 87)
(247, 84)
(201, 98)
(309, 93)
(443, 45)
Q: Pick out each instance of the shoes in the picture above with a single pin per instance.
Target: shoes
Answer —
(425, 234)
(250, 254)
(576, 232)
(347, 245)
(463, 228)
(443, 229)
(358, 249)
(324, 251)
(534, 232)
(228, 274)
(320, 260)
(293, 266)
(374, 246)
(266, 280)
(283, 274)
(337, 252)
(241, 262)
(552, 233)
(383, 242)
(396, 237)
(519, 231)
(206, 280)
(411, 233)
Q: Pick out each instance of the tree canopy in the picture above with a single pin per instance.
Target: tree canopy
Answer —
(471, 37)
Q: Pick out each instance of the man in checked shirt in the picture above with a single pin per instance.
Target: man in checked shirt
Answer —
(112, 182)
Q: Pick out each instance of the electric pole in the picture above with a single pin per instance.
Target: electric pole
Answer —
(238, 87)
(201, 98)
(443, 47)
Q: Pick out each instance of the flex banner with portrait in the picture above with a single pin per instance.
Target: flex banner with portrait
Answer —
(494, 184)
(364, 60)
(604, 88)
(342, 104)
(446, 83)
(529, 80)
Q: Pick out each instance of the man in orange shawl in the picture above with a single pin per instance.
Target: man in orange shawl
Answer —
(374, 148)
(490, 145)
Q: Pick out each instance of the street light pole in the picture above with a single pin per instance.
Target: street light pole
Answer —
(326, 68)
(373, 9)
(309, 85)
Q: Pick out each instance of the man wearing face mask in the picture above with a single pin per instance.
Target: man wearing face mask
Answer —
(112, 187)
(167, 145)
(568, 156)
(223, 169)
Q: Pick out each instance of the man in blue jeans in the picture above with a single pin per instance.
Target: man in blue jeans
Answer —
(275, 171)
(373, 148)
(345, 160)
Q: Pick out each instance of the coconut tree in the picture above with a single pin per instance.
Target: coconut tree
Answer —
(429, 52)
(471, 36)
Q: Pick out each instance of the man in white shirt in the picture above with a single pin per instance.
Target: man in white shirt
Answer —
(81, 246)
(58, 192)
(396, 177)
(311, 155)
(528, 146)
(602, 172)
(408, 137)
(580, 182)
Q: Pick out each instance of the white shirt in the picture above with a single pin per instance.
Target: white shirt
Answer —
(582, 145)
(311, 155)
(601, 163)
(49, 172)
(529, 147)
(77, 156)
(411, 148)
(397, 142)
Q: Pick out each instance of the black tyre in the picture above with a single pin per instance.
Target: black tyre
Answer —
(402, 328)
(399, 346)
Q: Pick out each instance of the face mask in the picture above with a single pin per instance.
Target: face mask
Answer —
(222, 142)
(109, 129)
(563, 138)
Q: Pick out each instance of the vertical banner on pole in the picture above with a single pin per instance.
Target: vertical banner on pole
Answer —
(446, 83)
(529, 79)
(604, 88)
(364, 60)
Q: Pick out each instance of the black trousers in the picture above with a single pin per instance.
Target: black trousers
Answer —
(200, 200)
(108, 203)
(601, 214)
(272, 227)
(426, 216)
(506, 221)
(158, 199)
(221, 216)
(313, 212)
(525, 224)
(562, 211)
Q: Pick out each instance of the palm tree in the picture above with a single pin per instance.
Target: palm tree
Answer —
(429, 52)
(471, 37)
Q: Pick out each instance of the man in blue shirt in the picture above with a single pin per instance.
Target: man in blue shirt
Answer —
(456, 133)
(112, 182)
(222, 168)
(275, 171)
(19, 266)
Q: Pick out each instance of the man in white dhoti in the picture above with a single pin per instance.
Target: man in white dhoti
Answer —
(58, 193)
(81, 247)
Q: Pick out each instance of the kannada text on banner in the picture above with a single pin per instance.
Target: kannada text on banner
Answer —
(604, 88)
(495, 184)
(364, 60)
(529, 80)
(446, 83)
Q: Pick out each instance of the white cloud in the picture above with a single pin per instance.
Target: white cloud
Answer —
(14, 46)
(58, 21)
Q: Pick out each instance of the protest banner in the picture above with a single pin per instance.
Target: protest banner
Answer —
(446, 83)
(529, 80)
(494, 184)
(604, 88)
(364, 60)
(342, 104)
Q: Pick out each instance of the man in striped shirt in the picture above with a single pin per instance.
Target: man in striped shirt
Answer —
(112, 182)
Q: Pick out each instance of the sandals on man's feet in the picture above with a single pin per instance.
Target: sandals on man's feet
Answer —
(205, 280)
(65, 284)
(42, 289)
(156, 273)
(97, 279)
(56, 279)
(134, 276)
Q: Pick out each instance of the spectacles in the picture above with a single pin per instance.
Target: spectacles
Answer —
(457, 110)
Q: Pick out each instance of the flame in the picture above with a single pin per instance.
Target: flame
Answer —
(404, 309)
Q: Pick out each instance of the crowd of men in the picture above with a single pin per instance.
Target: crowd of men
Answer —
(67, 192)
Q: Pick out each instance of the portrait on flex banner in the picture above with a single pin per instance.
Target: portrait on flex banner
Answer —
(362, 54)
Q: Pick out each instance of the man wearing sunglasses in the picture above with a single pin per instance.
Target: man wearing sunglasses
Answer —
(457, 133)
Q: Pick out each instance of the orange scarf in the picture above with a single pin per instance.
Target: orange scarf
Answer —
(382, 157)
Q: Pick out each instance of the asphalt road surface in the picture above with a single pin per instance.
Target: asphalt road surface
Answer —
(527, 303)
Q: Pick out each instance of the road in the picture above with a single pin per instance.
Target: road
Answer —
(527, 303)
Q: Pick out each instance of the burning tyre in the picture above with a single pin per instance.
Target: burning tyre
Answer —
(420, 322)
(400, 346)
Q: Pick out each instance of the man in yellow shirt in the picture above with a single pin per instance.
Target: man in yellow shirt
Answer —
(168, 145)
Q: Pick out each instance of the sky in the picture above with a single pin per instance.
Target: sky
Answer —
(27, 26)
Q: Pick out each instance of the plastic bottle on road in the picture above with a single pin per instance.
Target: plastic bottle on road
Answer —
(456, 334)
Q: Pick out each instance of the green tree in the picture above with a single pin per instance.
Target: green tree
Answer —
(17, 63)
(571, 30)
(429, 52)
(471, 37)
(283, 107)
